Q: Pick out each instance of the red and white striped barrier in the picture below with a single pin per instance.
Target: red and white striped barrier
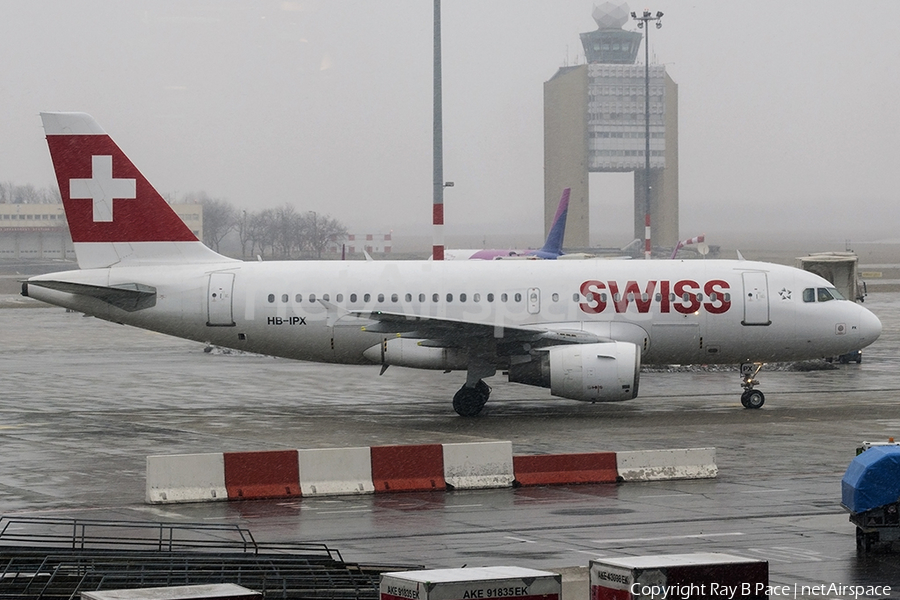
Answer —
(408, 468)
(562, 469)
(654, 465)
(385, 469)
(478, 465)
(267, 474)
(186, 478)
(335, 471)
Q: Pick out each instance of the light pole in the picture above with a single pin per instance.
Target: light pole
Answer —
(437, 249)
(642, 20)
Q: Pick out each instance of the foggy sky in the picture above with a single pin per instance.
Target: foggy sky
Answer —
(788, 112)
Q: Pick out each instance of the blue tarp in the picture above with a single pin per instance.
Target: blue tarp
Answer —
(872, 479)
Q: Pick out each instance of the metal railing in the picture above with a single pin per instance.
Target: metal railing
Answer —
(56, 559)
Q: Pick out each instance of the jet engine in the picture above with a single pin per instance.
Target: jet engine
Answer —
(600, 372)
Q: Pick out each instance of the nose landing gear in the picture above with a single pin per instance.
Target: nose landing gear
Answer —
(751, 398)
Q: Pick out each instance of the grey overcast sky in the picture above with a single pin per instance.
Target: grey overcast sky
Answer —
(788, 111)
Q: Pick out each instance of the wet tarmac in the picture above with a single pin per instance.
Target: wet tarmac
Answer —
(83, 402)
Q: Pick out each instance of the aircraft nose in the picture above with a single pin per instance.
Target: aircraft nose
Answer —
(869, 327)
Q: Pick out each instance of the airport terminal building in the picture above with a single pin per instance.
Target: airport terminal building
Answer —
(40, 231)
(594, 122)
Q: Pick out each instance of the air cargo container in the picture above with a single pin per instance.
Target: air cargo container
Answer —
(683, 576)
(477, 583)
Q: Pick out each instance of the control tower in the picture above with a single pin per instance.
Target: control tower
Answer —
(594, 122)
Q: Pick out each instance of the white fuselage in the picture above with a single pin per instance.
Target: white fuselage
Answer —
(700, 311)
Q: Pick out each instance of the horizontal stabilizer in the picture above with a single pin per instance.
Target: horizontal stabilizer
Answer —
(129, 297)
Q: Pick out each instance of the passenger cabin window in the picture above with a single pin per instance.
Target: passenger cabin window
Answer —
(352, 297)
(271, 298)
(367, 297)
(394, 297)
(284, 298)
(312, 297)
(298, 298)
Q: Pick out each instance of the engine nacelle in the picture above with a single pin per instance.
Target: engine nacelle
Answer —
(602, 372)
(403, 352)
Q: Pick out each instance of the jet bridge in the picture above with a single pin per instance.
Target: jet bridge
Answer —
(840, 268)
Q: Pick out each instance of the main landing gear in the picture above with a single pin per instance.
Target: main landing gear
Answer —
(751, 398)
(469, 401)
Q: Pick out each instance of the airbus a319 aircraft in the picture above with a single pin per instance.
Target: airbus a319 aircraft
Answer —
(580, 328)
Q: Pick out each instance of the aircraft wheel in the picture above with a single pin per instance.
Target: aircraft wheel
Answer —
(753, 399)
(468, 402)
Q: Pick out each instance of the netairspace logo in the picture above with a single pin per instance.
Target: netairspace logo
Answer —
(733, 592)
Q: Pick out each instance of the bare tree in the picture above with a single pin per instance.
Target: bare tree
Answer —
(11, 193)
(261, 231)
(242, 227)
(288, 230)
(218, 218)
(322, 230)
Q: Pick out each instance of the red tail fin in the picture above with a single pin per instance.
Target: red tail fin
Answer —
(115, 216)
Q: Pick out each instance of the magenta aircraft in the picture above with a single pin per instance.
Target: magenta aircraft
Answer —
(551, 250)
(580, 328)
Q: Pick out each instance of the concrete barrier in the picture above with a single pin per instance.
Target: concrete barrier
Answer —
(335, 471)
(267, 474)
(561, 469)
(415, 468)
(186, 478)
(653, 465)
(476, 465)
(429, 467)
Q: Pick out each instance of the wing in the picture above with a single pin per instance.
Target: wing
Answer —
(445, 332)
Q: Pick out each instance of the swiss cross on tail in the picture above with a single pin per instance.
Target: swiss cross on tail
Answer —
(105, 196)
(101, 188)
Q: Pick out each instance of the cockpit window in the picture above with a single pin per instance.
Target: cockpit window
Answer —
(821, 294)
(826, 294)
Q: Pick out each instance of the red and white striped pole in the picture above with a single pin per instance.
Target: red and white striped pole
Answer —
(647, 247)
(437, 248)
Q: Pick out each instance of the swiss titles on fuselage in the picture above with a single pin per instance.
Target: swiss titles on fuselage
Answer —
(684, 296)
